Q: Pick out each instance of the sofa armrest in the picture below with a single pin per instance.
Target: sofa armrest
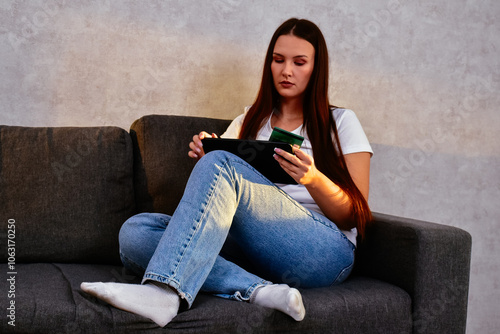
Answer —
(430, 261)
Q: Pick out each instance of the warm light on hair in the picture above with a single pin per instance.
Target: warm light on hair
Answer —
(318, 118)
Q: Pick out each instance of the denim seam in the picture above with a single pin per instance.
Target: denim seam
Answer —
(292, 201)
(173, 283)
(349, 267)
(242, 162)
(170, 280)
(326, 224)
(250, 294)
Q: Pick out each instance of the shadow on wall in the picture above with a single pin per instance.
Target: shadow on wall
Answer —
(451, 189)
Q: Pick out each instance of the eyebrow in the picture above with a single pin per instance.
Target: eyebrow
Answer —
(299, 56)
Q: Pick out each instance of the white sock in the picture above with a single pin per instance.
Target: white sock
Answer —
(281, 297)
(156, 301)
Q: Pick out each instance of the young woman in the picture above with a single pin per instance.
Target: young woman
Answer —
(303, 233)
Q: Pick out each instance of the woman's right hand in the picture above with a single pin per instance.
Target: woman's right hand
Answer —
(197, 147)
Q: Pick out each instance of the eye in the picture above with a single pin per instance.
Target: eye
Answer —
(299, 63)
(278, 60)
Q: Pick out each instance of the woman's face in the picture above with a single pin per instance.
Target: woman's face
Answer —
(292, 66)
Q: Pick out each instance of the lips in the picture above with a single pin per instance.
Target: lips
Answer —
(286, 84)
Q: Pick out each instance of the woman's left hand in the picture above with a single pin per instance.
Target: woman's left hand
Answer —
(300, 166)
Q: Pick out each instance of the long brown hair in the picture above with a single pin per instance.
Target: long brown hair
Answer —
(318, 118)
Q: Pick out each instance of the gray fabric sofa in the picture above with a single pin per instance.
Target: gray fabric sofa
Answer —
(65, 192)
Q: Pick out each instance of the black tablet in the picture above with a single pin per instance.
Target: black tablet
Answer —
(258, 153)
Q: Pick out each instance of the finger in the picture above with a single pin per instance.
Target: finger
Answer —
(204, 134)
(303, 157)
(286, 155)
(296, 150)
(194, 147)
(283, 153)
(196, 140)
(196, 143)
(299, 153)
(282, 162)
(293, 165)
(288, 166)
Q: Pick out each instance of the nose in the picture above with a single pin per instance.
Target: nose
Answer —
(287, 70)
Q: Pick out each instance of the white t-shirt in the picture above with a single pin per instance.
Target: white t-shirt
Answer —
(352, 140)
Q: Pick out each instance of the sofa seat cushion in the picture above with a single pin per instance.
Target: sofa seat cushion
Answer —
(68, 190)
(48, 299)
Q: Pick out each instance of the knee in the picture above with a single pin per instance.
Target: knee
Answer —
(132, 226)
(214, 161)
(137, 227)
(216, 156)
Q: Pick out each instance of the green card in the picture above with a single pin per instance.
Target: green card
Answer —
(284, 136)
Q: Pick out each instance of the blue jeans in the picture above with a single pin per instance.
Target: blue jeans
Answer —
(231, 219)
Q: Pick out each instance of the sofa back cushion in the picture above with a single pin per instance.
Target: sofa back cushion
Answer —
(66, 190)
(162, 165)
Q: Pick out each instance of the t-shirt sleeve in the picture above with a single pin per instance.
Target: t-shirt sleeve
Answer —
(351, 134)
(233, 130)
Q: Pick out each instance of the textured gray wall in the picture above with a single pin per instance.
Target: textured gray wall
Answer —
(422, 76)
